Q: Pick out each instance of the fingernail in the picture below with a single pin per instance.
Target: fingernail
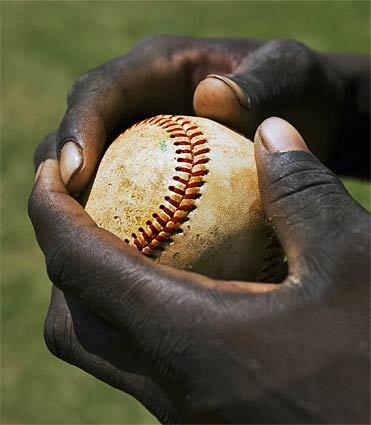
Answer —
(39, 168)
(242, 98)
(277, 135)
(70, 161)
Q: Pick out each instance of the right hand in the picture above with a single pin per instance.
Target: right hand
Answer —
(197, 350)
(251, 81)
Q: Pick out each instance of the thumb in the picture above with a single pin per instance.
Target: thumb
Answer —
(281, 78)
(277, 75)
(306, 203)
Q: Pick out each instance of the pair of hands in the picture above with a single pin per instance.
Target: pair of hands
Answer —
(192, 349)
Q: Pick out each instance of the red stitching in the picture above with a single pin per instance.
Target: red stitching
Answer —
(193, 135)
(199, 142)
(196, 184)
(179, 179)
(180, 134)
(182, 143)
(181, 198)
(187, 207)
(178, 151)
(184, 121)
(166, 210)
(176, 190)
(173, 125)
(187, 160)
(172, 201)
(202, 161)
(193, 127)
(159, 220)
(192, 195)
(202, 151)
(183, 169)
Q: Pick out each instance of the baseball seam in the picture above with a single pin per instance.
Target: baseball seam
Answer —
(192, 157)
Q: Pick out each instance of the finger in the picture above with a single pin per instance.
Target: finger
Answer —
(47, 149)
(306, 203)
(108, 98)
(50, 202)
(76, 335)
(270, 81)
(97, 104)
(220, 98)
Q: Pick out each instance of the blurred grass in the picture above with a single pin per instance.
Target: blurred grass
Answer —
(44, 47)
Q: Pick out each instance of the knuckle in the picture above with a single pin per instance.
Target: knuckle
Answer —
(71, 92)
(102, 78)
(58, 262)
(76, 88)
(92, 80)
(300, 55)
(165, 46)
(88, 83)
(288, 72)
(288, 44)
(59, 336)
(301, 62)
(157, 42)
(95, 82)
(294, 49)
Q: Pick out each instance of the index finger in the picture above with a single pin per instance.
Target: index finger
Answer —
(108, 98)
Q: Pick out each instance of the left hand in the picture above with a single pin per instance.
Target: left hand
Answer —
(250, 80)
(192, 349)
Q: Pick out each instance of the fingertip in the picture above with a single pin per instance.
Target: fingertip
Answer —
(221, 99)
(277, 135)
(237, 91)
(71, 162)
(50, 166)
(49, 177)
(81, 138)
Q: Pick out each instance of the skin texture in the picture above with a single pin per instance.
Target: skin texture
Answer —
(192, 349)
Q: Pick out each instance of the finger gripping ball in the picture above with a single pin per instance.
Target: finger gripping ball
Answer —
(184, 192)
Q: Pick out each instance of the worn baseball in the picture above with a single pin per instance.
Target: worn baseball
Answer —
(184, 191)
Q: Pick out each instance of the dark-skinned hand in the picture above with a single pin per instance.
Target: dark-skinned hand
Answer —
(191, 349)
(326, 97)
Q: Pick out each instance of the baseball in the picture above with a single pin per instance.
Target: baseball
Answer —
(184, 191)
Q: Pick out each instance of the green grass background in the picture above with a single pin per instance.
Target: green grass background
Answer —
(45, 46)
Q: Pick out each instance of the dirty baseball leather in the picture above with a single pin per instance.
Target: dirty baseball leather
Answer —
(184, 191)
